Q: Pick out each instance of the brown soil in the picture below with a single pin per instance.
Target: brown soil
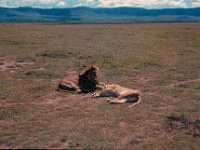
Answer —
(11, 65)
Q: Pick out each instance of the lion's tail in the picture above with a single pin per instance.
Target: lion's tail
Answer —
(138, 101)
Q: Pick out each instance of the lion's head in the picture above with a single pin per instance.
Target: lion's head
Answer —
(88, 79)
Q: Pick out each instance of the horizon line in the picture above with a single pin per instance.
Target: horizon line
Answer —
(100, 7)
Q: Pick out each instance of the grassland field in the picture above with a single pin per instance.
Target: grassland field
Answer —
(160, 60)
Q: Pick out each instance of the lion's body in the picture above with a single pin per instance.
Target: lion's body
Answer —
(87, 82)
(121, 94)
(68, 85)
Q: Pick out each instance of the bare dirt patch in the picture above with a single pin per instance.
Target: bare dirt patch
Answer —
(178, 83)
(183, 82)
(12, 65)
(142, 79)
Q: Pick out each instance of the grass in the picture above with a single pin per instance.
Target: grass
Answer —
(161, 60)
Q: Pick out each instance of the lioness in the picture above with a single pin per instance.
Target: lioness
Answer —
(121, 94)
(87, 82)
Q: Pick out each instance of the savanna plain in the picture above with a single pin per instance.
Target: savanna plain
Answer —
(160, 60)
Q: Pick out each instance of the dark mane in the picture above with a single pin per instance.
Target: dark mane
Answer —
(88, 79)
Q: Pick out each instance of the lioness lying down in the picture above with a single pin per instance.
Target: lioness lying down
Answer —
(121, 94)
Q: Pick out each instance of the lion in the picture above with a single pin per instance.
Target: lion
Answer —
(121, 94)
(88, 81)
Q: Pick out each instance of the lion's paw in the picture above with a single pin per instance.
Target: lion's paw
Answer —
(94, 95)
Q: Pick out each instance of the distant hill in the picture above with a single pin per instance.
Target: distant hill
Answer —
(99, 15)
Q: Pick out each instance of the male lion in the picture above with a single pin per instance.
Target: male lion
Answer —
(121, 94)
(87, 82)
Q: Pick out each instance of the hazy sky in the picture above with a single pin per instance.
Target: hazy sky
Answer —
(100, 3)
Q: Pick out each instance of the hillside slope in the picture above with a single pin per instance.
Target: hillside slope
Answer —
(99, 15)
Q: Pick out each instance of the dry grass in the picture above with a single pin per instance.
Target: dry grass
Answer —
(161, 60)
